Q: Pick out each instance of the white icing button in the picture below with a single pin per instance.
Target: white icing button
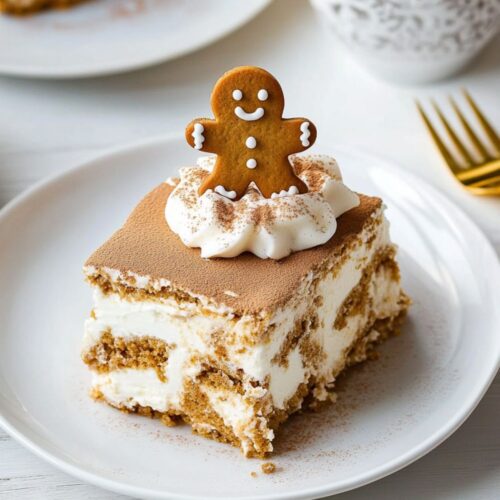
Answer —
(237, 95)
(262, 95)
(250, 143)
(251, 163)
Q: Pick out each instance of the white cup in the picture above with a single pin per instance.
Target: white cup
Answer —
(412, 41)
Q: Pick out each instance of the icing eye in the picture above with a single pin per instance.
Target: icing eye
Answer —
(237, 95)
(262, 95)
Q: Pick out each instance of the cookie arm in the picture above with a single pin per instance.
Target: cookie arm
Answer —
(201, 134)
(299, 134)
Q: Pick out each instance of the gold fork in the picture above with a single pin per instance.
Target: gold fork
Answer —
(480, 174)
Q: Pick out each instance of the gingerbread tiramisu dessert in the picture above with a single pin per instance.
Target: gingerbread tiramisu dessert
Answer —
(236, 294)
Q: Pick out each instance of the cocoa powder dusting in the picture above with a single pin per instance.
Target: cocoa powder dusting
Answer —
(225, 213)
(315, 180)
(189, 197)
(262, 215)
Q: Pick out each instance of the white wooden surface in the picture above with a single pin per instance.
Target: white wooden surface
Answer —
(46, 127)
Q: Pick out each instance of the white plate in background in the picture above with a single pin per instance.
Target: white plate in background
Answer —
(101, 37)
(390, 412)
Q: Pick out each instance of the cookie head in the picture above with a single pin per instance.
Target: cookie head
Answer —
(247, 94)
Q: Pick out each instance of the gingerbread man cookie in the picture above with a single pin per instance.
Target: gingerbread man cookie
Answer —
(250, 137)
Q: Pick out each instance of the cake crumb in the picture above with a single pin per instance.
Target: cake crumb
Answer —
(268, 468)
(231, 293)
(253, 474)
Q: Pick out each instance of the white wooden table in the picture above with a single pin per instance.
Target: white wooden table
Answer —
(46, 127)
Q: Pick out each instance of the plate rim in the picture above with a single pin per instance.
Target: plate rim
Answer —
(109, 68)
(396, 464)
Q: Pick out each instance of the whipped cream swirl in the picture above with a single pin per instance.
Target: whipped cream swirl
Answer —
(269, 228)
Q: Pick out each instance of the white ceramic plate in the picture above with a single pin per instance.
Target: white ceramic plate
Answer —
(389, 413)
(108, 36)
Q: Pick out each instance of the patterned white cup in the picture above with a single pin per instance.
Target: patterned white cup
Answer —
(412, 41)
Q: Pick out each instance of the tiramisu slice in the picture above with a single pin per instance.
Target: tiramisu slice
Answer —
(229, 310)
(20, 7)
(234, 346)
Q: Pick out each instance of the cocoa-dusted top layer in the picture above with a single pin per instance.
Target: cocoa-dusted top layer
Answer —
(145, 245)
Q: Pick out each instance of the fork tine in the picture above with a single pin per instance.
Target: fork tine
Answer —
(456, 141)
(488, 129)
(486, 191)
(472, 135)
(486, 183)
(489, 169)
(448, 158)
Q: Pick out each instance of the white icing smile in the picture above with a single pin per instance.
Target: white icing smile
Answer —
(248, 117)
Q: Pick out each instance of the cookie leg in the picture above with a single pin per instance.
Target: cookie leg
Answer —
(287, 184)
(233, 190)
